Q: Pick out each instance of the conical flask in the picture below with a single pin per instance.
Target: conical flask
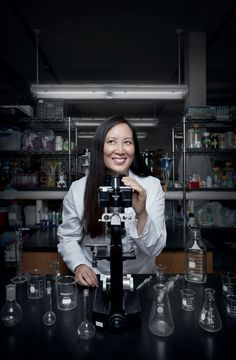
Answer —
(209, 318)
(161, 321)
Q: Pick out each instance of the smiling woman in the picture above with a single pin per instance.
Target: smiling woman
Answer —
(115, 152)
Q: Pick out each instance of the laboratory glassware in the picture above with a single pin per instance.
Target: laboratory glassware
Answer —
(11, 312)
(209, 318)
(195, 258)
(166, 163)
(161, 321)
(187, 301)
(20, 277)
(231, 305)
(86, 329)
(160, 271)
(66, 289)
(49, 317)
(36, 284)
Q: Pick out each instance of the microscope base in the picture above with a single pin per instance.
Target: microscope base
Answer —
(104, 319)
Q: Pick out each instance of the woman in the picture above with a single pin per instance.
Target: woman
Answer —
(115, 151)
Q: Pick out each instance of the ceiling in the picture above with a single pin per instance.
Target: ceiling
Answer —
(121, 41)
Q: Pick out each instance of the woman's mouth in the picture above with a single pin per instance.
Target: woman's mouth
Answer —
(119, 160)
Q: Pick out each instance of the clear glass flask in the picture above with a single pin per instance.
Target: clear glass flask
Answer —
(161, 321)
(11, 312)
(195, 258)
(49, 317)
(20, 277)
(86, 329)
(209, 318)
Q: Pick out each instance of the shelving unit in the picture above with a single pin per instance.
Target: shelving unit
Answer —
(61, 126)
(180, 142)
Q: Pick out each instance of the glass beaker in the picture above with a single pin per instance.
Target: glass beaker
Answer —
(161, 321)
(187, 303)
(66, 292)
(36, 284)
(209, 318)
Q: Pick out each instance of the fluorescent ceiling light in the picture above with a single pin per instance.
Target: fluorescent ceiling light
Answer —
(94, 122)
(90, 135)
(109, 91)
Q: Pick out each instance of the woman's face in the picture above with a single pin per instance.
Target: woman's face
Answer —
(119, 149)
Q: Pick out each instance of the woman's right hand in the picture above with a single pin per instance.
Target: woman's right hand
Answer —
(85, 276)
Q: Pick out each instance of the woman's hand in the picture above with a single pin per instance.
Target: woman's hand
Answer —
(85, 276)
(138, 201)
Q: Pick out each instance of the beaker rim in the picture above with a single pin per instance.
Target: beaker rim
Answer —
(66, 279)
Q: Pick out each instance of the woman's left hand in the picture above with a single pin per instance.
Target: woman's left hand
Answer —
(138, 197)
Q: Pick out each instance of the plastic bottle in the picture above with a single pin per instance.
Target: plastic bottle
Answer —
(195, 258)
(14, 214)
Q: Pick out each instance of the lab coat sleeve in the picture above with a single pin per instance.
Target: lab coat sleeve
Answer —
(153, 239)
(70, 232)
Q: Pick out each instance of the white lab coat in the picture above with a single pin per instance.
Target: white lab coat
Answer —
(148, 245)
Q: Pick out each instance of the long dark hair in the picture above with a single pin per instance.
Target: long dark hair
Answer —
(98, 172)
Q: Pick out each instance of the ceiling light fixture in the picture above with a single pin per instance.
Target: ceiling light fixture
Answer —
(94, 122)
(90, 135)
(109, 91)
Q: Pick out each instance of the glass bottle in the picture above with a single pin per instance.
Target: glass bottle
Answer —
(228, 172)
(209, 318)
(197, 137)
(11, 312)
(216, 177)
(14, 214)
(195, 258)
(161, 321)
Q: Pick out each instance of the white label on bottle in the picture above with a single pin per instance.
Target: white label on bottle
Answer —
(66, 301)
(192, 264)
(32, 289)
(99, 323)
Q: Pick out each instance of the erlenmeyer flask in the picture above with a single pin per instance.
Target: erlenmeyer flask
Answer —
(161, 321)
(209, 318)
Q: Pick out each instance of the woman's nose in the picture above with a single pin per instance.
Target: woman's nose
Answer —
(119, 148)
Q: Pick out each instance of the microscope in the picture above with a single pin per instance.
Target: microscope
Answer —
(116, 305)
